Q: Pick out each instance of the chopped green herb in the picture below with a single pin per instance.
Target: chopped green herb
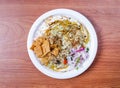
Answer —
(87, 50)
(77, 68)
(78, 60)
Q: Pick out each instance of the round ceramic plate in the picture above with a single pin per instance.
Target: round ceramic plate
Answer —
(93, 43)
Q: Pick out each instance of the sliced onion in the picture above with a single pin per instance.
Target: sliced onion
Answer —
(81, 49)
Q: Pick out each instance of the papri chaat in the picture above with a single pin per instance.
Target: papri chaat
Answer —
(62, 45)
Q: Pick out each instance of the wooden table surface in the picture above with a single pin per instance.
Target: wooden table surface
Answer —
(16, 68)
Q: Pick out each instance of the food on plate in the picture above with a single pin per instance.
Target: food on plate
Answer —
(63, 45)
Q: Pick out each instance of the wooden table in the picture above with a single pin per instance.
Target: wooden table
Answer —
(16, 68)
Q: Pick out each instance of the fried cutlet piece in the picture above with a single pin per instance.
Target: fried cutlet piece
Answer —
(38, 51)
(45, 47)
(36, 46)
(37, 42)
(44, 60)
(55, 51)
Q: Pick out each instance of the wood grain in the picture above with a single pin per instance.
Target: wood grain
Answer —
(16, 69)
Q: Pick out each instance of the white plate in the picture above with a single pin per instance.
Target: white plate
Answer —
(93, 40)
